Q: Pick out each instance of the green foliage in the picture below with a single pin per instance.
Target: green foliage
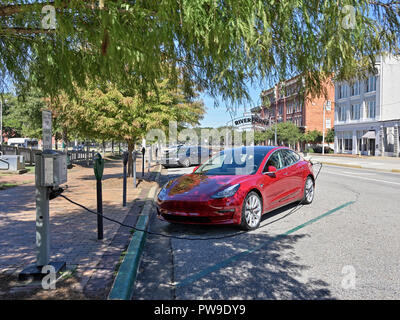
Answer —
(219, 44)
(330, 135)
(110, 114)
(313, 137)
(22, 115)
(288, 133)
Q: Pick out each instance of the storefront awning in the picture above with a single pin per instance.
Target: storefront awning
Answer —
(369, 135)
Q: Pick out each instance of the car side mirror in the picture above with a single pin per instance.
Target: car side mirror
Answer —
(271, 170)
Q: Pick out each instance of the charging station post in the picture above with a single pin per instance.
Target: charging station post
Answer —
(50, 173)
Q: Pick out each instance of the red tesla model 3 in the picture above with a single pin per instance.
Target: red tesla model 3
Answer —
(237, 186)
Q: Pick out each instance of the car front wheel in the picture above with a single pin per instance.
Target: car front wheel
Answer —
(308, 191)
(251, 211)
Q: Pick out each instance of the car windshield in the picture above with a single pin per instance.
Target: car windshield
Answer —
(239, 161)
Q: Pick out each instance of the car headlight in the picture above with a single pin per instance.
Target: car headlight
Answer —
(163, 192)
(227, 192)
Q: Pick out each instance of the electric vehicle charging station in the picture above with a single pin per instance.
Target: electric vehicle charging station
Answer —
(50, 173)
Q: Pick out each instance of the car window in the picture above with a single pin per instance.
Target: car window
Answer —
(239, 161)
(274, 160)
(289, 157)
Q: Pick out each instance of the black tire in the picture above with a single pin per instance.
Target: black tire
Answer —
(251, 218)
(308, 196)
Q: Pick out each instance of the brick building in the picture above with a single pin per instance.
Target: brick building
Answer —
(288, 102)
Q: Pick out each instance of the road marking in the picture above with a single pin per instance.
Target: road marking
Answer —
(355, 173)
(364, 178)
(239, 256)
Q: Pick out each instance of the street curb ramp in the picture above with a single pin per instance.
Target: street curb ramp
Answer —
(124, 283)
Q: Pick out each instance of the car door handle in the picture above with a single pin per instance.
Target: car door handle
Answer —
(285, 173)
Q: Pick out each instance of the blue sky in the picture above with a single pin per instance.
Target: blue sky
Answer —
(219, 116)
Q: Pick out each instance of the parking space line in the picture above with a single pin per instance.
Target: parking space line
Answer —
(239, 256)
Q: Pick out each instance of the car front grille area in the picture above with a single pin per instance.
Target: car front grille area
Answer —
(198, 219)
(190, 219)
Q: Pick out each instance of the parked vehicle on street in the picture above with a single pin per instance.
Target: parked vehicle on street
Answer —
(79, 147)
(237, 186)
(184, 156)
(23, 142)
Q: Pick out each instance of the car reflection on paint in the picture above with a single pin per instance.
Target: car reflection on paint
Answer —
(237, 186)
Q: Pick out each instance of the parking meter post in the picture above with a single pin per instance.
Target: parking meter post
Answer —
(134, 168)
(98, 171)
(143, 153)
(125, 162)
(99, 210)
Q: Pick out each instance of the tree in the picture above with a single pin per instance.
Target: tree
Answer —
(288, 133)
(330, 135)
(23, 114)
(313, 136)
(112, 114)
(221, 44)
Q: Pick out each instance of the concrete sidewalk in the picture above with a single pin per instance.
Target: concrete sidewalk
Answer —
(387, 164)
(91, 263)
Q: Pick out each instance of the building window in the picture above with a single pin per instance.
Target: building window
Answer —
(342, 91)
(371, 109)
(348, 144)
(297, 106)
(370, 84)
(355, 89)
(289, 108)
(328, 124)
(341, 113)
(355, 112)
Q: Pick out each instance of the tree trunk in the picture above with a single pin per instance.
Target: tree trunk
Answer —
(65, 139)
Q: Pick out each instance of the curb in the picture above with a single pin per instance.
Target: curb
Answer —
(122, 288)
(358, 167)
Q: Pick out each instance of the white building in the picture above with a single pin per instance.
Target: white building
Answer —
(367, 112)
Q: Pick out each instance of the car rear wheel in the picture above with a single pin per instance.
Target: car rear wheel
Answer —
(308, 191)
(251, 211)
(186, 163)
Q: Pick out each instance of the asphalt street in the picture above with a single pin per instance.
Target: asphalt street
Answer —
(345, 245)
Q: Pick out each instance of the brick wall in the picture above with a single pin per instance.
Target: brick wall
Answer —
(313, 117)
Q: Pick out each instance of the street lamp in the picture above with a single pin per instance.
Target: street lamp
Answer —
(276, 126)
(326, 106)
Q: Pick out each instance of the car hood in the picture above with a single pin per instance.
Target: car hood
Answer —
(198, 186)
